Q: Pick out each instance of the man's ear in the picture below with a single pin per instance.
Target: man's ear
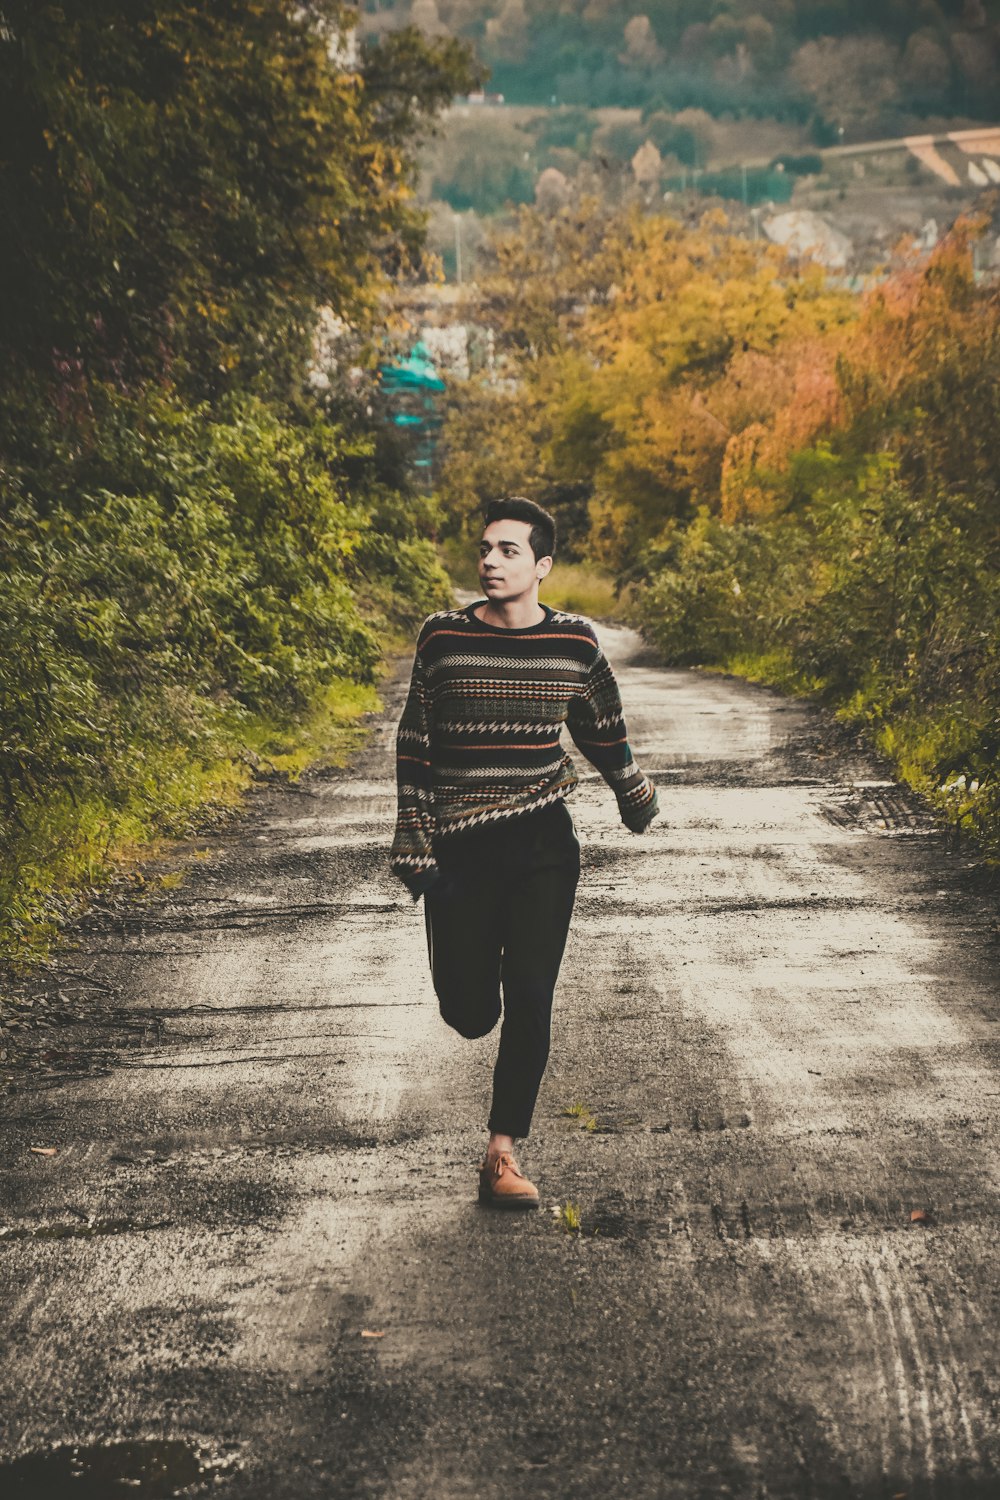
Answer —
(543, 566)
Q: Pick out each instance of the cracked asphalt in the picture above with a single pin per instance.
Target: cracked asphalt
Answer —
(255, 1264)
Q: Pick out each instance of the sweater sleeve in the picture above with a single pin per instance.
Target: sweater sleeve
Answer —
(412, 854)
(597, 723)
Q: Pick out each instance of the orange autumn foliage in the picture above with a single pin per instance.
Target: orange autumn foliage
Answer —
(800, 387)
(714, 361)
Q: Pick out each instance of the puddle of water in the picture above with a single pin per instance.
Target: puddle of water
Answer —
(154, 1470)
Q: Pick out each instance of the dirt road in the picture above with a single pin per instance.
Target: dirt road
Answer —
(775, 1039)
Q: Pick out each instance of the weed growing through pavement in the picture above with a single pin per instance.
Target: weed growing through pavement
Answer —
(568, 1215)
(580, 1112)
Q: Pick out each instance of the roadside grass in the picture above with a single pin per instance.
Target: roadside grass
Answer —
(580, 589)
(771, 669)
(927, 749)
(69, 850)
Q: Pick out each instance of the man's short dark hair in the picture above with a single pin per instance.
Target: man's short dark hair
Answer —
(542, 537)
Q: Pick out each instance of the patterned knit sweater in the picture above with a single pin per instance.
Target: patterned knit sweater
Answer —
(479, 736)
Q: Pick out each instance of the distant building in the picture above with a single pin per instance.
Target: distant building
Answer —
(342, 48)
(806, 234)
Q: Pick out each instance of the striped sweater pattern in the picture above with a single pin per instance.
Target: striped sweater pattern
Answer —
(479, 737)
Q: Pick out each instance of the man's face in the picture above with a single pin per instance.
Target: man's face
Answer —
(507, 566)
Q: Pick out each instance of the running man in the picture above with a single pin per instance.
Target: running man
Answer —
(483, 832)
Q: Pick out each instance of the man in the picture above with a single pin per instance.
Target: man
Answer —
(483, 831)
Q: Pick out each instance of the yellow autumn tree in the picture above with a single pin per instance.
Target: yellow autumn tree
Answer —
(708, 337)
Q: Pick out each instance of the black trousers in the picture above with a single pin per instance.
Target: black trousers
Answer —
(499, 919)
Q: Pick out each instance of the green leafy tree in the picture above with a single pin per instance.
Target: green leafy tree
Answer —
(194, 540)
(183, 184)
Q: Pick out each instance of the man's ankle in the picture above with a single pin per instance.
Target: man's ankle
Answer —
(497, 1145)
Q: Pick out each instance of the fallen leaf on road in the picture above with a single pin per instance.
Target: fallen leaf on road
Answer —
(371, 1333)
(921, 1216)
(44, 1150)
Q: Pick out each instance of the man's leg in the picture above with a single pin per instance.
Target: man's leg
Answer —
(538, 914)
(464, 924)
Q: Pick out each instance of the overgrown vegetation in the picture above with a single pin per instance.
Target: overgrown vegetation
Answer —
(204, 555)
(787, 480)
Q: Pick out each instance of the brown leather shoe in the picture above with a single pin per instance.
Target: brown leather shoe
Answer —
(504, 1185)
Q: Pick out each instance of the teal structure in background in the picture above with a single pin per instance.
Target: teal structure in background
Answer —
(411, 385)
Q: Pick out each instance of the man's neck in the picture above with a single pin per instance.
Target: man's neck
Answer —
(516, 614)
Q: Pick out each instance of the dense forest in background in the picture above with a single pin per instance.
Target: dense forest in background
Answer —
(788, 480)
(863, 66)
(200, 545)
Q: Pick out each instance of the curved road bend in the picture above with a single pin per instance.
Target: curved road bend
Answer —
(777, 1030)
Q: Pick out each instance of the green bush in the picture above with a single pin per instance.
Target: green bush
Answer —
(201, 556)
(719, 590)
(197, 555)
(173, 575)
(885, 602)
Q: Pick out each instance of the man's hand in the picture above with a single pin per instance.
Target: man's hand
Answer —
(647, 818)
(418, 882)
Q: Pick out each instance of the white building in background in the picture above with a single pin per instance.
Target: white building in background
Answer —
(808, 234)
(448, 347)
(342, 49)
(929, 235)
(341, 41)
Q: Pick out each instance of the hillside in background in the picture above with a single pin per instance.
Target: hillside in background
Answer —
(853, 203)
(864, 67)
(764, 105)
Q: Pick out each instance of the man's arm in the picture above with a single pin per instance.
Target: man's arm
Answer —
(597, 723)
(412, 855)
